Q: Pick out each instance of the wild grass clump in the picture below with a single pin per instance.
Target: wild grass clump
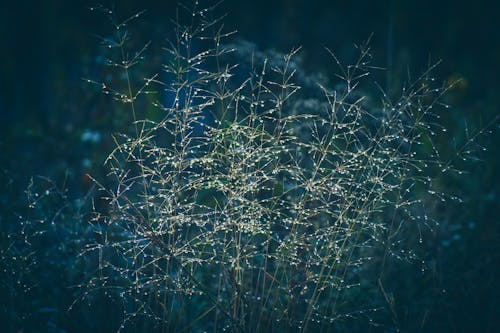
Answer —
(250, 198)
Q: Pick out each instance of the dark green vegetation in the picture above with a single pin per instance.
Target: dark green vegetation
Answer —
(234, 200)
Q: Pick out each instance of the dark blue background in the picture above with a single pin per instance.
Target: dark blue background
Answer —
(47, 47)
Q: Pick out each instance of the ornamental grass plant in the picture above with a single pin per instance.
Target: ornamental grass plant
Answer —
(247, 195)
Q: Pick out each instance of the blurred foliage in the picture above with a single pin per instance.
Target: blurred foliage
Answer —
(54, 124)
